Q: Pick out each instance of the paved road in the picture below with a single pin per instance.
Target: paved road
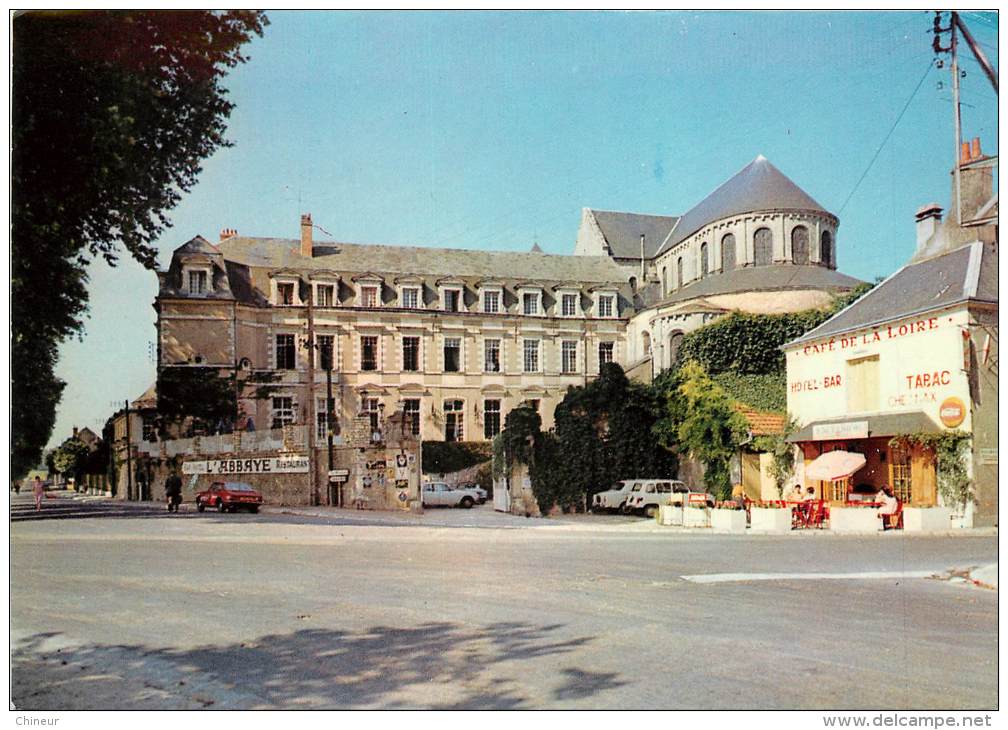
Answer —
(147, 610)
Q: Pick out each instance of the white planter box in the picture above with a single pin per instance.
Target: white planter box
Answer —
(696, 517)
(669, 516)
(854, 519)
(927, 519)
(728, 520)
(770, 519)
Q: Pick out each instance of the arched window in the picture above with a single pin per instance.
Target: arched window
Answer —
(704, 265)
(799, 245)
(826, 249)
(633, 283)
(673, 347)
(646, 343)
(664, 279)
(763, 247)
(728, 253)
(679, 276)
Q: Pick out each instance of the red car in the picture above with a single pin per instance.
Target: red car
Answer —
(229, 497)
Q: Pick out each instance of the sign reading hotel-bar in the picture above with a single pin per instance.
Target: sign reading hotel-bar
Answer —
(845, 430)
(269, 465)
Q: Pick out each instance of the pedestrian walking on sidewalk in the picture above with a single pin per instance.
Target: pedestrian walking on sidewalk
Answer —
(38, 489)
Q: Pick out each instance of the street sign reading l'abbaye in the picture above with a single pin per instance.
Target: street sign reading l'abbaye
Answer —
(264, 465)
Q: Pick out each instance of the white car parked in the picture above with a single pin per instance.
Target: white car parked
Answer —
(439, 494)
(613, 499)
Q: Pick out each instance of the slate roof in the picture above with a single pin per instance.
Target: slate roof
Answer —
(759, 186)
(276, 253)
(783, 277)
(966, 273)
(622, 231)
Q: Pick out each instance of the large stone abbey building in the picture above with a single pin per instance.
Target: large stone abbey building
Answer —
(455, 339)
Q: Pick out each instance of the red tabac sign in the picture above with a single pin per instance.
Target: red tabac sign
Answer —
(952, 412)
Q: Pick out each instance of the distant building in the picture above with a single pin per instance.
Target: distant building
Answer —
(918, 353)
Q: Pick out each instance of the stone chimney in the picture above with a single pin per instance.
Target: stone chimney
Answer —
(306, 235)
(75, 432)
(227, 233)
(928, 219)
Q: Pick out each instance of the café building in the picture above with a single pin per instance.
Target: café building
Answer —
(917, 354)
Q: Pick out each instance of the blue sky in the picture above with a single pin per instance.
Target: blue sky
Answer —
(492, 130)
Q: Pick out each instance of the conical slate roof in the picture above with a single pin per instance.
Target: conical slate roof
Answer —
(756, 187)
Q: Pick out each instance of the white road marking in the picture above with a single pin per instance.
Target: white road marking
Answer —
(867, 575)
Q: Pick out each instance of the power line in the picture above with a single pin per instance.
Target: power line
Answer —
(888, 135)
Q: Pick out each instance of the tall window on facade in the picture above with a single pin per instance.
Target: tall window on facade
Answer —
(532, 403)
(324, 296)
(283, 411)
(531, 356)
(491, 302)
(411, 412)
(197, 282)
(568, 356)
(799, 245)
(605, 306)
(679, 273)
(491, 356)
(826, 249)
(454, 412)
(568, 305)
(369, 296)
(372, 408)
(704, 262)
(646, 343)
(763, 247)
(148, 429)
(285, 355)
(452, 354)
(410, 297)
(322, 417)
(491, 418)
(326, 351)
(285, 293)
(863, 384)
(452, 300)
(369, 352)
(664, 279)
(530, 303)
(605, 353)
(675, 341)
(411, 353)
(728, 252)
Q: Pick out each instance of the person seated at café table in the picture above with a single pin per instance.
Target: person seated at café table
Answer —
(796, 495)
(889, 505)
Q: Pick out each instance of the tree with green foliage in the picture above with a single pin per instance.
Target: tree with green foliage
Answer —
(205, 396)
(782, 452)
(706, 425)
(70, 458)
(112, 113)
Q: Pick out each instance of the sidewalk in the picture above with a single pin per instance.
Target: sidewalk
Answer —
(986, 576)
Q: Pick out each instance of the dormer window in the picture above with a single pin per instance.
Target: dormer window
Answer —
(491, 301)
(530, 302)
(569, 303)
(285, 293)
(452, 299)
(410, 297)
(197, 282)
(369, 295)
(605, 305)
(325, 295)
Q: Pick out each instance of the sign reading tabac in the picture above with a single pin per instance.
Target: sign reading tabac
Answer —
(265, 465)
(835, 431)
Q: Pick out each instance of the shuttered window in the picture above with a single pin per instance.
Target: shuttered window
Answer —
(863, 384)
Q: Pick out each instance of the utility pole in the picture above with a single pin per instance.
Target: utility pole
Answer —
(312, 405)
(958, 118)
(129, 459)
(335, 496)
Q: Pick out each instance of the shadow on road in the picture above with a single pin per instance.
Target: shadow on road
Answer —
(436, 665)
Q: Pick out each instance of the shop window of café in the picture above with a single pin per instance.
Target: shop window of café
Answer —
(900, 475)
(863, 384)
